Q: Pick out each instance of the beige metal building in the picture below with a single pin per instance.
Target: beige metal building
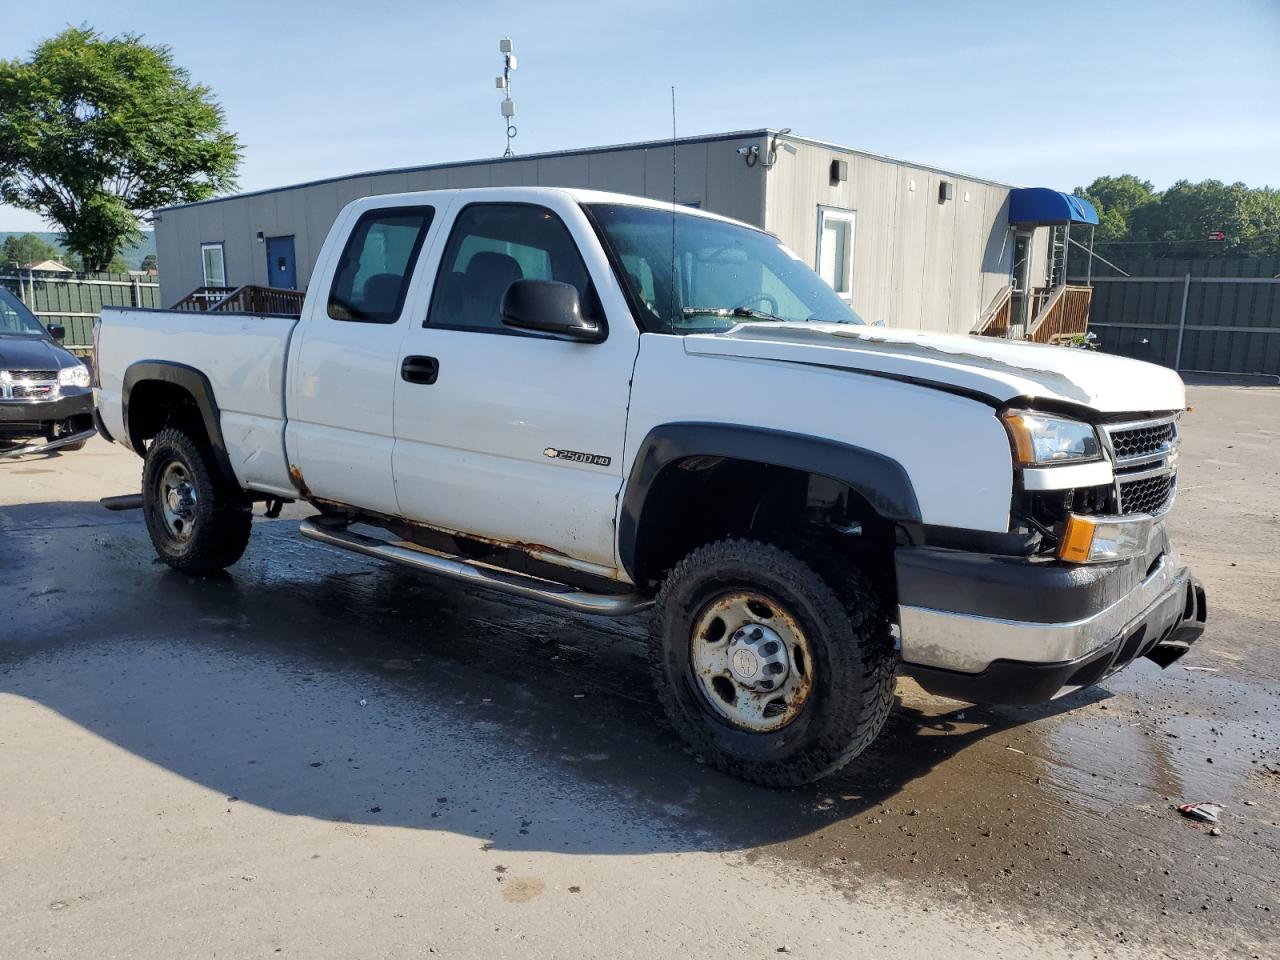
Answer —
(910, 245)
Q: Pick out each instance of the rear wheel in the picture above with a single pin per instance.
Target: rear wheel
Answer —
(198, 519)
(769, 671)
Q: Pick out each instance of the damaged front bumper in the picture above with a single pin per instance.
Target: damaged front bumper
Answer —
(992, 629)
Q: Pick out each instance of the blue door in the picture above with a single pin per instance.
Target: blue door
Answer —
(281, 270)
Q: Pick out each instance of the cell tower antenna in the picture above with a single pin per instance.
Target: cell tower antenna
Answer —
(504, 84)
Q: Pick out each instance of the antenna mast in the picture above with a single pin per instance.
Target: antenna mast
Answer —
(504, 84)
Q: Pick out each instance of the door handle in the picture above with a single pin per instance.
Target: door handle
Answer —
(420, 369)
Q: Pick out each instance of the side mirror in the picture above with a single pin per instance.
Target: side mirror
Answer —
(57, 331)
(548, 306)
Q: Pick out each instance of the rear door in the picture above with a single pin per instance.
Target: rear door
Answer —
(345, 358)
(506, 434)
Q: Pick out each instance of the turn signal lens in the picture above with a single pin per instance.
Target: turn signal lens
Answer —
(1099, 539)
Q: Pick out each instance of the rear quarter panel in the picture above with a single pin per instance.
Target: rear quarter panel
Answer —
(244, 358)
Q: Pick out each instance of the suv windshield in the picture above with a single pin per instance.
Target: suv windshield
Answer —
(15, 319)
(724, 274)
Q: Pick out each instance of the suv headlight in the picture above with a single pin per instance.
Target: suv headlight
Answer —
(1041, 440)
(77, 376)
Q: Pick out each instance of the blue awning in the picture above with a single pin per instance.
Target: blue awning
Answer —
(1040, 205)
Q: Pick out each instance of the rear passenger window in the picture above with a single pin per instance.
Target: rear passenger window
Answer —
(492, 246)
(373, 275)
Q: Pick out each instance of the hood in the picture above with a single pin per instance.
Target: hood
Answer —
(1003, 370)
(33, 353)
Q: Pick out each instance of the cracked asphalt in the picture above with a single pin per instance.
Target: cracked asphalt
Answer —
(320, 756)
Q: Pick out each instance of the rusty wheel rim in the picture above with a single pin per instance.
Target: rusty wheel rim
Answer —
(751, 661)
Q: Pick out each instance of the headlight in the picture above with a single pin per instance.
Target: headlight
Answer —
(1099, 539)
(77, 376)
(1039, 440)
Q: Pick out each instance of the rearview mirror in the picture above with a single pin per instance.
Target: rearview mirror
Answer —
(548, 306)
(57, 331)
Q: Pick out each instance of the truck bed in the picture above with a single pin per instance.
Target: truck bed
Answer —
(243, 356)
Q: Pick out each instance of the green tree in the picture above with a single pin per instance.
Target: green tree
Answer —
(1188, 212)
(1116, 199)
(27, 248)
(149, 263)
(96, 131)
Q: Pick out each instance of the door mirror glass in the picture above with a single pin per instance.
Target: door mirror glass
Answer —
(57, 331)
(547, 306)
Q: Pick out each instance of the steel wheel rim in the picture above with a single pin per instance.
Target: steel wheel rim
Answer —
(177, 495)
(738, 671)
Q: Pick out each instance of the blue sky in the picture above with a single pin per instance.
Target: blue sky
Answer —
(1028, 92)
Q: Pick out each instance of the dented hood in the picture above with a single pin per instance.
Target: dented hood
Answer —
(1000, 369)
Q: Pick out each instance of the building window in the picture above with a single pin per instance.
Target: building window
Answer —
(373, 275)
(835, 249)
(215, 265)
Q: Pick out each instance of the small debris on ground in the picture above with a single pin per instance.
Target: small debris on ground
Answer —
(1215, 831)
(1200, 669)
(1204, 812)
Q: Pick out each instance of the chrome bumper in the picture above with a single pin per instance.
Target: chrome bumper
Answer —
(969, 643)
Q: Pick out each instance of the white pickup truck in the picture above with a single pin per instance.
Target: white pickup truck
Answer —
(609, 404)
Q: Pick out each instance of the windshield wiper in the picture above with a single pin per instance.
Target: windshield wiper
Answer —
(741, 312)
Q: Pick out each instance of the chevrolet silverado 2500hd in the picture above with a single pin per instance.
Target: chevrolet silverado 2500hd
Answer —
(607, 403)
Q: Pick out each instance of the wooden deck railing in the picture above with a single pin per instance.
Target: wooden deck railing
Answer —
(201, 298)
(246, 299)
(995, 321)
(1065, 314)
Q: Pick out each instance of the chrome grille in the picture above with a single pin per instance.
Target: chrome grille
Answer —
(1144, 454)
(28, 384)
(1148, 495)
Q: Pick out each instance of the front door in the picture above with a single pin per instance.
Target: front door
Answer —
(281, 268)
(510, 435)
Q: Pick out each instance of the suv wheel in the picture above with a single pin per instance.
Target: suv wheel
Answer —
(770, 672)
(199, 520)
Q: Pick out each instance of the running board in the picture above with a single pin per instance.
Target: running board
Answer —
(468, 571)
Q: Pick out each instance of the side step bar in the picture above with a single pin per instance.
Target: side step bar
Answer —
(602, 604)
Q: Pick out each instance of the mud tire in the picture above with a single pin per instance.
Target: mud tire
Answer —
(223, 514)
(846, 628)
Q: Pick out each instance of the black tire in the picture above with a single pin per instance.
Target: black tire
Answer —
(64, 427)
(848, 636)
(220, 518)
(72, 447)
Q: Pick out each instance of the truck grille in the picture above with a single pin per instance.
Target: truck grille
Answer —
(1145, 455)
(1148, 495)
(28, 384)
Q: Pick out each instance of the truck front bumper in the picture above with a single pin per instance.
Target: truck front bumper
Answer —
(993, 629)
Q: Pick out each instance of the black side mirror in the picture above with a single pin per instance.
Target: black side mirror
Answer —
(548, 306)
(57, 331)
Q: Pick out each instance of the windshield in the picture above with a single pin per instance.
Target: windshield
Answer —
(15, 319)
(724, 274)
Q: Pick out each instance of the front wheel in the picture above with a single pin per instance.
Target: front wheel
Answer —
(198, 519)
(771, 673)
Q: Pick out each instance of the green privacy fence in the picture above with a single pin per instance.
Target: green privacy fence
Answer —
(1220, 315)
(75, 300)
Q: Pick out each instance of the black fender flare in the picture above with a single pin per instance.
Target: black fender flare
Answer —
(881, 480)
(195, 383)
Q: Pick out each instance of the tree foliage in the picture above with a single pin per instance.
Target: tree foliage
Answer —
(27, 248)
(95, 132)
(1137, 221)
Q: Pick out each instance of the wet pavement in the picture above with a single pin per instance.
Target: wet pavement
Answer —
(317, 686)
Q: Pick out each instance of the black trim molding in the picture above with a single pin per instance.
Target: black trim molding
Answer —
(882, 481)
(189, 379)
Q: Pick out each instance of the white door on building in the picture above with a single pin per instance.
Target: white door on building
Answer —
(835, 249)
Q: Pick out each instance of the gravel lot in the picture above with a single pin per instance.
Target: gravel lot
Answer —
(319, 756)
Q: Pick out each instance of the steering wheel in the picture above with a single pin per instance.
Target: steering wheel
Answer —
(759, 298)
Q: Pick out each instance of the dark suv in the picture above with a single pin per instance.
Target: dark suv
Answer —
(44, 390)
